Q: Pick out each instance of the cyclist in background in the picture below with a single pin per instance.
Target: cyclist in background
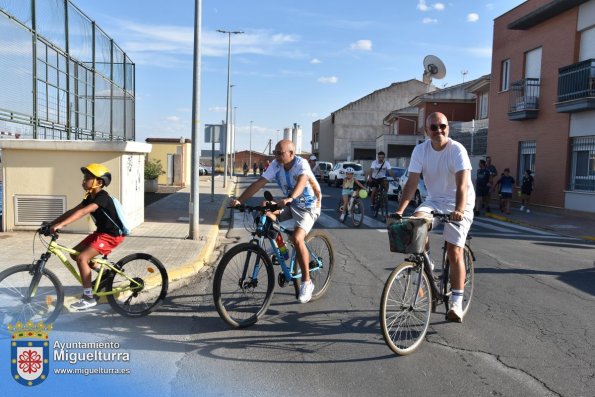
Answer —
(302, 202)
(447, 175)
(97, 203)
(377, 175)
(348, 184)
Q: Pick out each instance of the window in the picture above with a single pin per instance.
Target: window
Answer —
(505, 77)
(583, 164)
(527, 150)
(483, 106)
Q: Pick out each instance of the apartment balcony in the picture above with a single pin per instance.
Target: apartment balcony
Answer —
(523, 99)
(576, 87)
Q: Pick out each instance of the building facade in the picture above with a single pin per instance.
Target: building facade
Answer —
(351, 132)
(542, 99)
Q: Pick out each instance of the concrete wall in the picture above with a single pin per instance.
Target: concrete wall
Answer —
(52, 168)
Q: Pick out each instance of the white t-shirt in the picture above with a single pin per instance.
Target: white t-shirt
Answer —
(287, 179)
(378, 173)
(439, 169)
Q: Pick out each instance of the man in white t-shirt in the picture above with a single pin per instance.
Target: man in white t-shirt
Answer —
(302, 202)
(447, 174)
(378, 171)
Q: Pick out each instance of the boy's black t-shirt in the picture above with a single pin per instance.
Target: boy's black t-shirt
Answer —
(105, 203)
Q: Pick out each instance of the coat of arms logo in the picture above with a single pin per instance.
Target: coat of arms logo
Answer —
(29, 352)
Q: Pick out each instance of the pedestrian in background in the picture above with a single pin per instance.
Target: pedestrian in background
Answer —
(527, 186)
(493, 172)
(254, 166)
(260, 167)
(505, 187)
(482, 187)
(245, 168)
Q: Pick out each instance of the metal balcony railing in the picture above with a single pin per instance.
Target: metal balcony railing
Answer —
(576, 81)
(524, 95)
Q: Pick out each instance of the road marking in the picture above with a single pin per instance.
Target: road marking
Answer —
(507, 226)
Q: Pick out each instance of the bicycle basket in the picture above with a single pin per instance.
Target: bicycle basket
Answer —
(408, 235)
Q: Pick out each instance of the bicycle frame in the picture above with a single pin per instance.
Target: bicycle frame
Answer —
(58, 250)
(287, 269)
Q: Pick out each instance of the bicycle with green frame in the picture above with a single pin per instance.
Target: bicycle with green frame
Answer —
(134, 286)
(245, 278)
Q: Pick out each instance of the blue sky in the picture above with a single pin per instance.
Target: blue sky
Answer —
(296, 62)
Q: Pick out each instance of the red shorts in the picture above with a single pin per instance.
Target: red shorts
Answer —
(102, 242)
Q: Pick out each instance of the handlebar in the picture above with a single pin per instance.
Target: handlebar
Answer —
(45, 230)
(441, 217)
(251, 208)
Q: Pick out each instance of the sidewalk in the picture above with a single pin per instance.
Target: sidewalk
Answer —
(163, 235)
(569, 224)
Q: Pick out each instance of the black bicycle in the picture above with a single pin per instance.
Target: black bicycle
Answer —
(411, 291)
(381, 201)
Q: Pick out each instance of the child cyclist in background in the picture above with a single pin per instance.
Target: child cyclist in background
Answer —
(100, 206)
(348, 183)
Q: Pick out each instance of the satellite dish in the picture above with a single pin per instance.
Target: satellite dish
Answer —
(433, 69)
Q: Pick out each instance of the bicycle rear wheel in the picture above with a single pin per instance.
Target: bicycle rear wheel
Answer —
(243, 285)
(469, 279)
(145, 292)
(357, 212)
(403, 324)
(18, 304)
(320, 245)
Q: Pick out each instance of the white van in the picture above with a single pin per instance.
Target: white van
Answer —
(322, 169)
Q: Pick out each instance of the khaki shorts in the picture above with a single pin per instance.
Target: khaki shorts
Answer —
(304, 217)
(454, 233)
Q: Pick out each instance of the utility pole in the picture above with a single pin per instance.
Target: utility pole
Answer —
(250, 147)
(195, 154)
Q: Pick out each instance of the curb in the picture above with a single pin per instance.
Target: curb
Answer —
(509, 220)
(193, 267)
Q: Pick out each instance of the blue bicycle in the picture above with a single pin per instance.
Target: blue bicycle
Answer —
(244, 280)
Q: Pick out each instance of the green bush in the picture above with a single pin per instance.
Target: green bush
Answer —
(153, 169)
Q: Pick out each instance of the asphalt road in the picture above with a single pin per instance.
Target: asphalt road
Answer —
(528, 332)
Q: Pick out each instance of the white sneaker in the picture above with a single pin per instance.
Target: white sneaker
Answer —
(84, 303)
(522, 208)
(342, 218)
(528, 211)
(455, 313)
(306, 290)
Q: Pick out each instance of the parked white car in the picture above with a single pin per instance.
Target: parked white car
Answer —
(204, 169)
(420, 193)
(336, 176)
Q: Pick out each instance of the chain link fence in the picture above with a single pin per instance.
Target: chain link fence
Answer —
(62, 76)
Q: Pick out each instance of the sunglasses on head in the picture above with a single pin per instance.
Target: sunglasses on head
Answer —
(434, 127)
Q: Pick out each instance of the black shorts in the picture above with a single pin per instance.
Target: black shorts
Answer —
(376, 182)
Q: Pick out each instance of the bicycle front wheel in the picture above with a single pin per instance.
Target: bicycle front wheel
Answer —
(405, 308)
(22, 301)
(357, 212)
(141, 287)
(243, 285)
(321, 267)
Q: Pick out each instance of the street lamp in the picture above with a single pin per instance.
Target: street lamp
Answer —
(228, 105)
(233, 139)
(250, 147)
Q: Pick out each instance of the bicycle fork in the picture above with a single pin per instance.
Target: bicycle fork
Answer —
(36, 272)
